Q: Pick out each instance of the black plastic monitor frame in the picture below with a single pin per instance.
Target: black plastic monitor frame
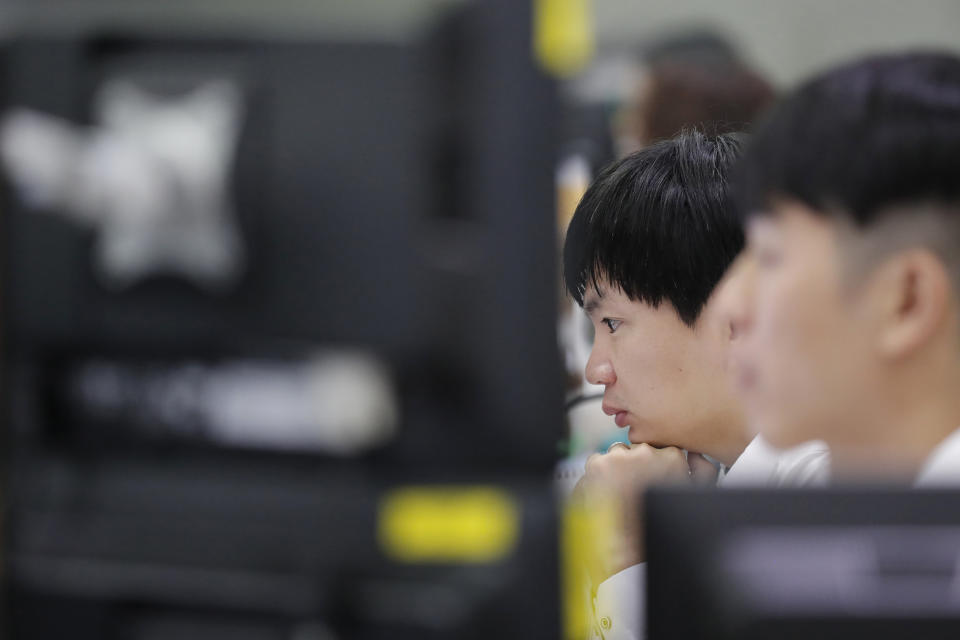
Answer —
(729, 564)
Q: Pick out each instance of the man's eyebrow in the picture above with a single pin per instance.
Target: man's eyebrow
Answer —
(590, 306)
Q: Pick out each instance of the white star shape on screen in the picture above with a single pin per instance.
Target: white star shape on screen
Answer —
(152, 178)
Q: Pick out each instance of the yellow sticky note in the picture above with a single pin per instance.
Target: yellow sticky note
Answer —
(563, 38)
(448, 524)
(586, 533)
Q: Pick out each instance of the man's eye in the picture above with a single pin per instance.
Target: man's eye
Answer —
(611, 324)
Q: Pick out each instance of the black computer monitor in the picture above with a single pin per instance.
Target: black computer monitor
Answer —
(375, 221)
(390, 196)
(841, 563)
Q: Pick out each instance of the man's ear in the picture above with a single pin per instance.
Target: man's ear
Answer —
(915, 301)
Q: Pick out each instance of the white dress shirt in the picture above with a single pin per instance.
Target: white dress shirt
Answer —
(942, 468)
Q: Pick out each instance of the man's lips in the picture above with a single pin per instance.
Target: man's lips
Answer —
(620, 415)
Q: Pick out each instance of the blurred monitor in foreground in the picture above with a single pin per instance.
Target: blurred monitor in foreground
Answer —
(846, 563)
(279, 351)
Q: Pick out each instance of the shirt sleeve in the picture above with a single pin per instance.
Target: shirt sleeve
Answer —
(620, 603)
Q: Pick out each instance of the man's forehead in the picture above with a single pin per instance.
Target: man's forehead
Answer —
(784, 215)
(597, 296)
(762, 226)
(591, 302)
(595, 290)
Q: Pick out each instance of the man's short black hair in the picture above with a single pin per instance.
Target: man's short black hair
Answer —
(862, 138)
(659, 224)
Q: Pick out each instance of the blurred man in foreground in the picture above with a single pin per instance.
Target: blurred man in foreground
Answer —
(848, 316)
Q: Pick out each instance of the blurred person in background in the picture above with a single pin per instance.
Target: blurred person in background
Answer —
(848, 306)
(644, 256)
(693, 80)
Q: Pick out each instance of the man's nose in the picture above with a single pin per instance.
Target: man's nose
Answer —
(599, 369)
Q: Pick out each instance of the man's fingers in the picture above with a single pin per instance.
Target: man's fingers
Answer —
(618, 445)
(591, 462)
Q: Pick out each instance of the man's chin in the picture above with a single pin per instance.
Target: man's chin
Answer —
(639, 436)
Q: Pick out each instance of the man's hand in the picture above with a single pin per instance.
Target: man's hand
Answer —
(616, 481)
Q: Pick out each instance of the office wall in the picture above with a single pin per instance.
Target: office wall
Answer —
(789, 39)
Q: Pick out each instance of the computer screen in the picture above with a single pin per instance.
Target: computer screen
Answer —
(279, 343)
(778, 563)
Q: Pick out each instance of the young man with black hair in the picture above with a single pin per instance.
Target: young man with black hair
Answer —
(645, 255)
(849, 310)
(649, 242)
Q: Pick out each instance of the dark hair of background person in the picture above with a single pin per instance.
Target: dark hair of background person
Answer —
(718, 97)
(869, 135)
(659, 224)
(703, 45)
